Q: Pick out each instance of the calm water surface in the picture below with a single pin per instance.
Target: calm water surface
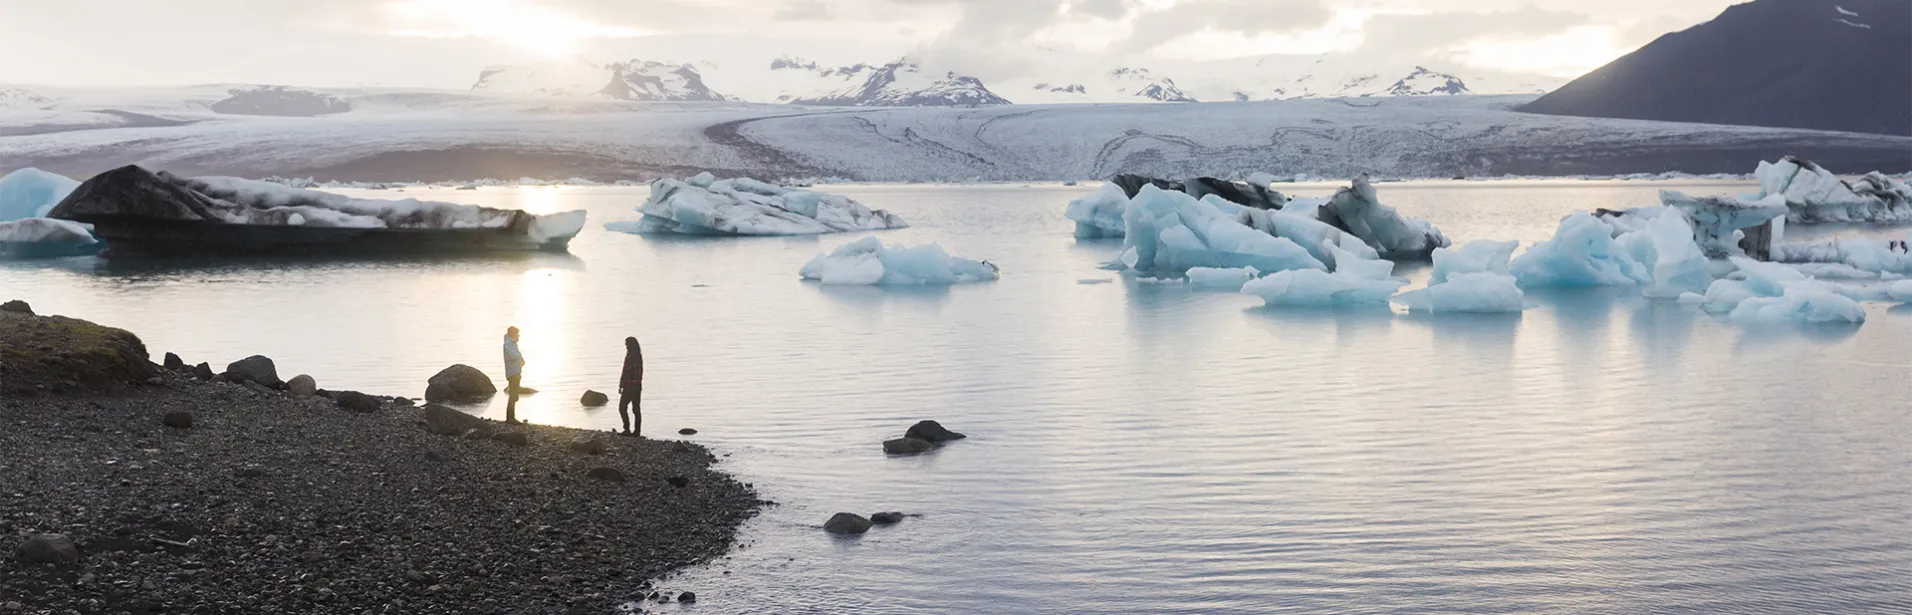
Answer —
(1140, 448)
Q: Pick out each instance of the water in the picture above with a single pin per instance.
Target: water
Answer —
(1142, 448)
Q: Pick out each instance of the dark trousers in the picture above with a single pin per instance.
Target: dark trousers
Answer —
(633, 398)
(511, 401)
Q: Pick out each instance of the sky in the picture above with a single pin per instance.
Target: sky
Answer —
(444, 43)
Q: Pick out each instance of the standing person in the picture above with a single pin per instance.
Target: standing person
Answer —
(630, 388)
(514, 371)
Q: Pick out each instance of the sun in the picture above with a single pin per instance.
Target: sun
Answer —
(525, 25)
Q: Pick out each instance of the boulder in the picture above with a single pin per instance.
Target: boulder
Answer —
(16, 306)
(932, 432)
(609, 475)
(687, 597)
(445, 421)
(514, 438)
(403, 402)
(589, 445)
(255, 369)
(358, 402)
(887, 518)
(174, 363)
(41, 354)
(846, 523)
(907, 446)
(687, 431)
(593, 399)
(302, 386)
(459, 384)
(47, 549)
(178, 419)
(202, 372)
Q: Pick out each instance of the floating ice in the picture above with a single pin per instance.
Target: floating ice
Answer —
(1099, 215)
(1479, 256)
(1358, 260)
(704, 205)
(1771, 292)
(1862, 253)
(1581, 253)
(1717, 220)
(1304, 230)
(1314, 287)
(1677, 265)
(1211, 277)
(1170, 232)
(44, 238)
(1359, 210)
(867, 261)
(1482, 292)
(1814, 194)
(245, 201)
(30, 193)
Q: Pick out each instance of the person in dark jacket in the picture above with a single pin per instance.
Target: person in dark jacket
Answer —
(630, 388)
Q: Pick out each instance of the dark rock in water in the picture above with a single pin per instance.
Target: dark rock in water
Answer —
(932, 432)
(445, 421)
(356, 401)
(589, 445)
(846, 523)
(907, 446)
(173, 362)
(687, 597)
(301, 386)
(178, 419)
(255, 369)
(593, 399)
(514, 438)
(609, 475)
(459, 384)
(47, 549)
(887, 518)
(687, 431)
(280, 101)
(678, 482)
(16, 306)
(202, 372)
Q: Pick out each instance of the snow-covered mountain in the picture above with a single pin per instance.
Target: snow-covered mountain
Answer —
(628, 80)
(20, 98)
(897, 84)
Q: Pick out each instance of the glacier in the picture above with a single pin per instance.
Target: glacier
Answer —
(30, 193)
(868, 262)
(703, 205)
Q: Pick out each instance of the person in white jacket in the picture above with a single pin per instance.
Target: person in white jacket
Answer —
(514, 370)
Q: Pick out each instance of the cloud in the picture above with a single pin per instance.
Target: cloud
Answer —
(804, 10)
(1244, 17)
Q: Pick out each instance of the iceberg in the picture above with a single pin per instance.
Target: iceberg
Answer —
(139, 211)
(1211, 277)
(1677, 266)
(1880, 256)
(1581, 253)
(1719, 223)
(1479, 292)
(31, 193)
(704, 205)
(45, 238)
(868, 262)
(1771, 292)
(1358, 210)
(1478, 256)
(1358, 260)
(1317, 288)
(1171, 232)
(1814, 194)
(1099, 215)
(1354, 210)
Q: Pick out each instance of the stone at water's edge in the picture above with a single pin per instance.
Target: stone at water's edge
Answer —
(358, 402)
(932, 432)
(47, 549)
(178, 419)
(173, 362)
(202, 372)
(16, 306)
(301, 386)
(593, 399)
(459, 384)
(907, 446)
(687, 597)
(687, 431)
(448, 422)
(846, 523)
(887, 518)
(255, 369)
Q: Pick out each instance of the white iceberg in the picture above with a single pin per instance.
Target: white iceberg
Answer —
(703, 205)
(1676, 264)
(1356, 259)
(1317, 288)
(1771, 292)
(1210, 277)
(868, 262)
(1099, 215)
(1814, 194)
(1359, 210)
(1478, 256)
(1719, 222)
(1171, 232)
(1881, 256)
(1581, 253)
(45, 238)
(31, 193)
(246, 201)
(1480, 293)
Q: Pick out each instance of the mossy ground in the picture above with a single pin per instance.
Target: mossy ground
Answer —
(55, 354)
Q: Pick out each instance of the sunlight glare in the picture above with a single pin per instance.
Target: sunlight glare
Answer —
(532, 27)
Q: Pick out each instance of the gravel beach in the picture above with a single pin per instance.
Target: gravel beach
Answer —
(274, 504)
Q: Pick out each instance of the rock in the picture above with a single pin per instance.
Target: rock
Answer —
(906, 446)
(16, 306)
(260, 388)
(459, 384)
(687, 431)
(932, 432)
(514, 438)
(255, 369)
(887, 518)
(846, 523)
(593, 399)
(202, 372)
(448, 422)
(302, 386)
(155, 381)
(678, 482)
(174, 363)
(687, 597)
(47, 549)
(609, 475)
(357, 402)
(589, 445)
(178, 419)
(403, 402)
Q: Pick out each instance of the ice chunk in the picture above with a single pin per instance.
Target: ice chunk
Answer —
(1482, 292)
(1678, 267)
(743, 206)
(867, 261)
(45, 238)
(1865, 254)
(1314, 287)
(1807, 305)
(1359, 210)
(1478, 256)
(1581, 253)
(1771, 292)
(261, 202)
(1170, 232)
(1211, 277)
(1717, 221)
(1305, 231)
(1814, 194)
(1362, 265)
(1099, 215)
(30, 193)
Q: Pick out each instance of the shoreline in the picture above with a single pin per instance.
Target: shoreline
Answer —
(275, 503)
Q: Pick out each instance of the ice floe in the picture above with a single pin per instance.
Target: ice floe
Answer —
(1099, 215)
(1814, 194)
(704, 205)
(1353, 210)
(30, 193)
(868, 262)
(1211, 277)
(1582, 252)
(1761, 293)
(1317, 288)
(1480, 293)
(1171, 232)
(1478, 256)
